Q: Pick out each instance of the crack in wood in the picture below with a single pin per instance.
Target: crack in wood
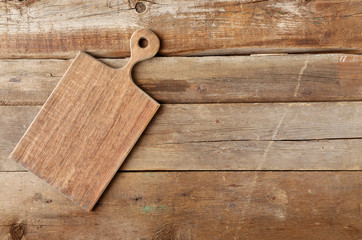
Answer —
(254, 140)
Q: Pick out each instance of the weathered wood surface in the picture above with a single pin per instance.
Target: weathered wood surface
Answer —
(285, 136)
(210, 204)
(58, 29)
(190, 205)
(320, 77)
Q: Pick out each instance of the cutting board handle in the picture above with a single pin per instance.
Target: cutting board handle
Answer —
(144, 45)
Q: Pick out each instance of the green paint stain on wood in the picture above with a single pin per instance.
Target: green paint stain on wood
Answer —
(267, 12)
(148, 209)
(319, 18)
(146, 175)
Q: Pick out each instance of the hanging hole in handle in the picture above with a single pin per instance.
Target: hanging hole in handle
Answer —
(143, 43)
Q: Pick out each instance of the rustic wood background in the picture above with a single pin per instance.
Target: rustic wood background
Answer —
(259, 135)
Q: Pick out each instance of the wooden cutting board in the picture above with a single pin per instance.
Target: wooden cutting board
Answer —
(89, 124)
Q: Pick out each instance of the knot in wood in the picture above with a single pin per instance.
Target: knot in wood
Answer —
(140, 7)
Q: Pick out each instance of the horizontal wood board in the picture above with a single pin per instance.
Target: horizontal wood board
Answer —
(59, 29)
(265, 136)
(304, 77)
(189, 205)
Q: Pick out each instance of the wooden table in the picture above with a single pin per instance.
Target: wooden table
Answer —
(246, 145)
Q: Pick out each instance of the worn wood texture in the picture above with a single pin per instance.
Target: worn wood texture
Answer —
(190, 205)
(88, 125)
(58, 29)
(289, 136)
(319, 77)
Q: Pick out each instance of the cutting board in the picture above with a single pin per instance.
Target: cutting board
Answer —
(89, 124)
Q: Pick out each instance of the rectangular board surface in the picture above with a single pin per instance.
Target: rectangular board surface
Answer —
(85, 130)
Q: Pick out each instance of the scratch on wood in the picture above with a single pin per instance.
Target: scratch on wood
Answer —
(247, 204)
(267, 149)
(253, 183)
(280, 123)
(304, 67)
(342, 58)
(289, 7)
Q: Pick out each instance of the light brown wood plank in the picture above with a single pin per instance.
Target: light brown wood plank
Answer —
(248, 155)
(295, 136)
(58, 29)
(11, 133)
(190, 205)
(264, 121)
(319, 77)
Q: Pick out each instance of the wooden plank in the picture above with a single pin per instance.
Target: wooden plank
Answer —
(248, 155)
(58, 29)
(190, 205)
(293, 136)
(320, 77)
(10, 133)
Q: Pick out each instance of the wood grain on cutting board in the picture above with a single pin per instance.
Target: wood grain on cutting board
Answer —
(86, 129)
